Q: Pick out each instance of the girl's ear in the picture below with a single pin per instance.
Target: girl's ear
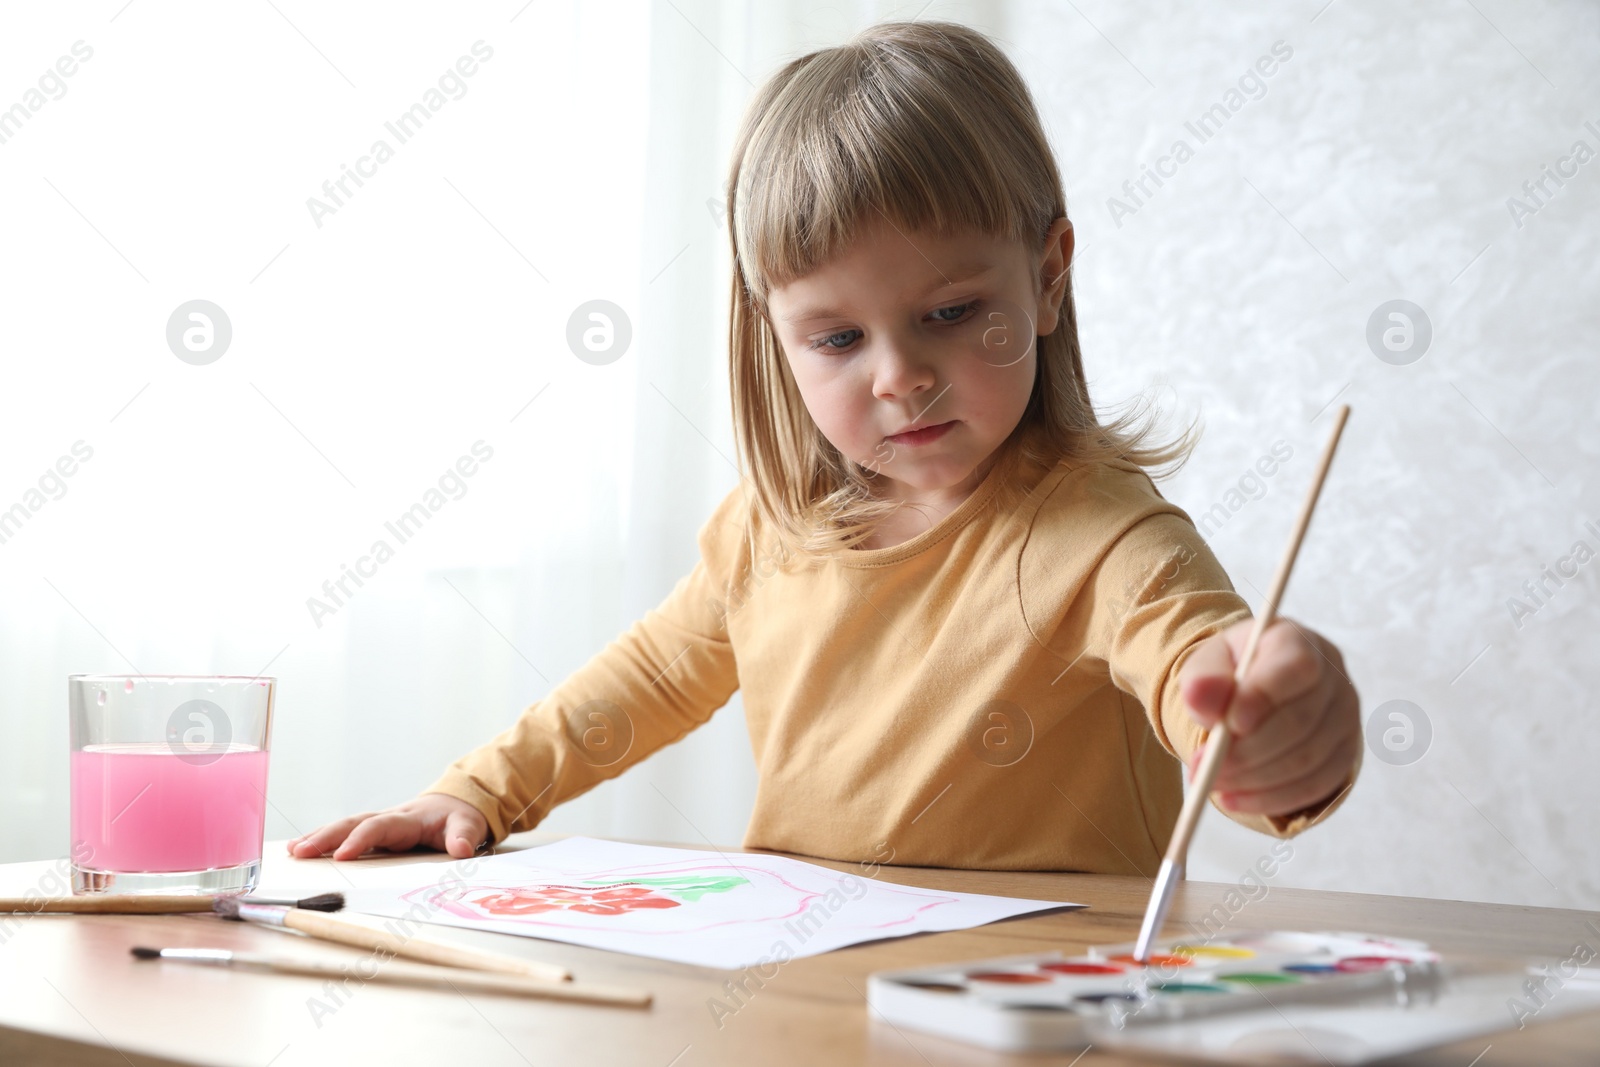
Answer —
(1055, 262)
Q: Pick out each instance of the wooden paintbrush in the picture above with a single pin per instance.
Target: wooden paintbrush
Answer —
(356, 935)
(153, 904)
(408, 974)
(1220, 739)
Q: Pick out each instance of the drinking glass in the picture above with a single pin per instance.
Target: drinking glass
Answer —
(168, 781)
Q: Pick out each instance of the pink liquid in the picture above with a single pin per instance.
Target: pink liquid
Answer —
(141, 807)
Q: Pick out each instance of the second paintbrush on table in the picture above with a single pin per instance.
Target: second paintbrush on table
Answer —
(358, 935)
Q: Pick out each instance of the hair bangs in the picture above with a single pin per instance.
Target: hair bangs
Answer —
(875, 131)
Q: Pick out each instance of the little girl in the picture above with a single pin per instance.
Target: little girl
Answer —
(968, 629)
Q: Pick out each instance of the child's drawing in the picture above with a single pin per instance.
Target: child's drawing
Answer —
(706, 908)
(594, 897)
(692, 897)
(609, 897)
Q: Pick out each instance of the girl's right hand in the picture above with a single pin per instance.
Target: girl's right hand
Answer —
(436, 820)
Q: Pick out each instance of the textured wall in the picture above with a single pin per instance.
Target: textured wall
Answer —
(1384, 159)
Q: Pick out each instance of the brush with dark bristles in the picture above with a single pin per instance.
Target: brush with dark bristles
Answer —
(406, 973)
(320, 902)
(155, 904)
(358, 935)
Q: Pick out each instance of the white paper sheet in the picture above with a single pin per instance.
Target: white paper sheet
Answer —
(713, 909)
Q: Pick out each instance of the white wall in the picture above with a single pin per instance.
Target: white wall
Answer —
(1376, 166)
(422, 316)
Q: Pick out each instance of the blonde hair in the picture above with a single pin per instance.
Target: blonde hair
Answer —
(929, 125)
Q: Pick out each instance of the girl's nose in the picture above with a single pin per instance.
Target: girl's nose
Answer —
(898, 373)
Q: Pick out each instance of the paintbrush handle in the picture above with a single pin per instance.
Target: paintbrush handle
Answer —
(453, 978)
(329, 928)
(1217, 744)
(1221, 738)
(109, 904)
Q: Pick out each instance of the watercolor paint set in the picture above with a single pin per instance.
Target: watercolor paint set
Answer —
(1250, 997)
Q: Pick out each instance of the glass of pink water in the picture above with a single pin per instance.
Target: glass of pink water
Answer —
(169, 782)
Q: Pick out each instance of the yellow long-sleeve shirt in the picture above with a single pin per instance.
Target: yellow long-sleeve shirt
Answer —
(998, 692)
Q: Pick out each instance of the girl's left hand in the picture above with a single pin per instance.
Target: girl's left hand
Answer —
(1296, 721)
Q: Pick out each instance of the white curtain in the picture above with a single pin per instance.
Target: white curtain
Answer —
(373, 345)
(706, 61)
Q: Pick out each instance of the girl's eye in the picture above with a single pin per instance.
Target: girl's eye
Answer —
(826, 342)
(959, 309)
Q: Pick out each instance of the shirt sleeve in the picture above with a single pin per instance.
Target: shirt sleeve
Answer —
(1157, 593)
(668, 673)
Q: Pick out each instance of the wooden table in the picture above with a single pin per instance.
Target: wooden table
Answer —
(71, 994)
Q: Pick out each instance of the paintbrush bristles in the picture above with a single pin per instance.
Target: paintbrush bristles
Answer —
(320, 902)
(142, 953)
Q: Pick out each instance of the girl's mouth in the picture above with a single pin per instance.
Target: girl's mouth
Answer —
(926, 435)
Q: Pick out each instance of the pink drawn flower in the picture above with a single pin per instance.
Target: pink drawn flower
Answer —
(590, 900)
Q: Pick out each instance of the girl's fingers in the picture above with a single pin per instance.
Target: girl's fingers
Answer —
(1206, 680)
(1285, 745)
(1295, 704)
(320, 841)
(1288, 665)
(390, 830)
(1289, 662)
(397, 829)
(1303, 791)
(462, 832)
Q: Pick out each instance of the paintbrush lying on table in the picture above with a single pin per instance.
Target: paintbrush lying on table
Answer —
(329, 928)
(154, 904)
(406, 974)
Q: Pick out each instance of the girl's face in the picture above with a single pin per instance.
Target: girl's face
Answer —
(915, 353)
